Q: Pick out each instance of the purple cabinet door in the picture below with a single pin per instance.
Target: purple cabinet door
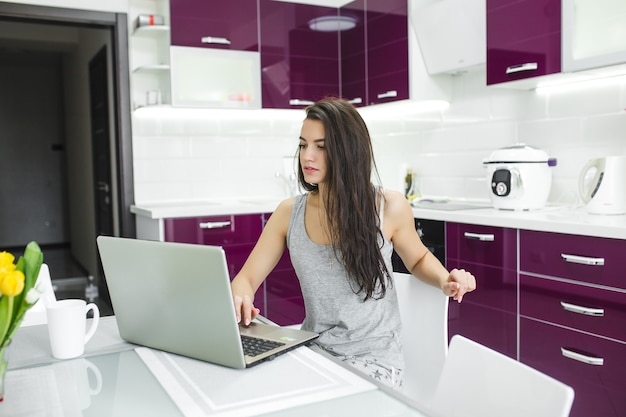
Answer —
(523, 39)
(582, 258)
(236, 234)
(493, 328)
(597, 376)
(488, 315)
(493, 246)
(299, 65)
(387, 51)
(231, 24)
(593, 310)
(353, 56)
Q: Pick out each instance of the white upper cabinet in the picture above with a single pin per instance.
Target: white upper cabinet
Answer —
(594, 34)
(451, 35)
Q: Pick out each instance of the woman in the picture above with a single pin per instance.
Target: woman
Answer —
(340, 236)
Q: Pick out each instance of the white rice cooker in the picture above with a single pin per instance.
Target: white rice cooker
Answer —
(519, 177)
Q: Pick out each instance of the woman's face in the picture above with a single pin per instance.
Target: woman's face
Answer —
(313, 151)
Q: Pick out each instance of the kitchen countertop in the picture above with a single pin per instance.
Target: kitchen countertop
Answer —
(558, 219)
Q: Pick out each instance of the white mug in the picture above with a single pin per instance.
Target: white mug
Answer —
(67, 321)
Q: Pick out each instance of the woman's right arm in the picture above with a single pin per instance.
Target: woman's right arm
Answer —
(262, 260)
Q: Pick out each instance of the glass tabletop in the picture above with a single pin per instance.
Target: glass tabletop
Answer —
(120, 384)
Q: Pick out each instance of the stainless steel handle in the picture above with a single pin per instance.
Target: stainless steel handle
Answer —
(479, 236)
(102, 186)
(214, 225)
(583, 260)
(215, 40)
(388, 94)
(356, 100)
(298, 102)
(529, 66)
(589, 360)
(587, 311)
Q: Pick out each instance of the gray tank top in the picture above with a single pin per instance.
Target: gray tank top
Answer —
(348, 325)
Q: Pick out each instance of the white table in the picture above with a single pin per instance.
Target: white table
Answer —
(115, 378)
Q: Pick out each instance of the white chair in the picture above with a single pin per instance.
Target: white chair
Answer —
(477, 381)
(424, 312)
(37, 313)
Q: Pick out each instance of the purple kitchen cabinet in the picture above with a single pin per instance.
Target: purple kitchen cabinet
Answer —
(215, 230)
(387, 51)
(487, 245)
(353, 55)
(593, 310)
(231, 24)
(523, 39)
(573, 316)
(592, 366)
(285, 305)
(488, 315)
(283, 296)
(588, 259)
(298, 65)
(491, 327)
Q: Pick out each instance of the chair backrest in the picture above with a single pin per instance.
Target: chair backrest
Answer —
(477, 381)
(424, 312)
(37, 313)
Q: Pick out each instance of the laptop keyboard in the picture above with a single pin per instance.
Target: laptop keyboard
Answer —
(253, 346)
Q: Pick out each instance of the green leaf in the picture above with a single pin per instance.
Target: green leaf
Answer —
(29, 264)
(6, 313)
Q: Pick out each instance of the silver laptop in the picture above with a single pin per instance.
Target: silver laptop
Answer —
(176, 297)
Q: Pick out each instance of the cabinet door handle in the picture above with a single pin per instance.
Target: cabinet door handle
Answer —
(587, 311)
(214, 225)
(388, 94)
(356, 100)
(479, 236)
(529, 66)
(298, 102)
(215, 39)
(584, 260)
(589, 360)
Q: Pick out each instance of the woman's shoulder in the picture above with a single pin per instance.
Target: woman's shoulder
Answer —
(395, 203)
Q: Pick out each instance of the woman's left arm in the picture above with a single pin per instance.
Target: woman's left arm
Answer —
(399, 226)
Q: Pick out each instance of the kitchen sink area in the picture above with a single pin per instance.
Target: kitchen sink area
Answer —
(448, 205)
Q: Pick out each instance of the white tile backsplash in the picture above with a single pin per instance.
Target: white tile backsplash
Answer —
(183, 154)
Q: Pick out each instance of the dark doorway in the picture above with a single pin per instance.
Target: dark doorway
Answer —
(76, 146)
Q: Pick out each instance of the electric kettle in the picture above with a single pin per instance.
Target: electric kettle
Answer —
(602, 185)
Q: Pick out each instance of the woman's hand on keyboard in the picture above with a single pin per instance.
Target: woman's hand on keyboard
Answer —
(245, 309)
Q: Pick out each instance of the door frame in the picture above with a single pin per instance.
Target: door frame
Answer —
(118, 23)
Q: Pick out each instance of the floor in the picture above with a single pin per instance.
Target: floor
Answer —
(69, 278)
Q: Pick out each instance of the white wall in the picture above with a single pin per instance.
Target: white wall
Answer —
(185, 154)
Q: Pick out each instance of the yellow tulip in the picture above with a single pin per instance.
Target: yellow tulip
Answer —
(12, 283)
(6, 259)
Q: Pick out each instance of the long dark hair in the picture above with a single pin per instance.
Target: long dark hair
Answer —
(350, 197)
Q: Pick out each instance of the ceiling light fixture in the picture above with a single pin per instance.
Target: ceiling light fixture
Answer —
(332, 23)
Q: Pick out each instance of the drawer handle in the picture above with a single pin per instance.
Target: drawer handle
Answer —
(587, 311)
(300, 102)
(215, 40)
(388, 94)
(479, 236)
(214, 225)
(583, 260)
(529, 66)
(589, 360)
(356, 100)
